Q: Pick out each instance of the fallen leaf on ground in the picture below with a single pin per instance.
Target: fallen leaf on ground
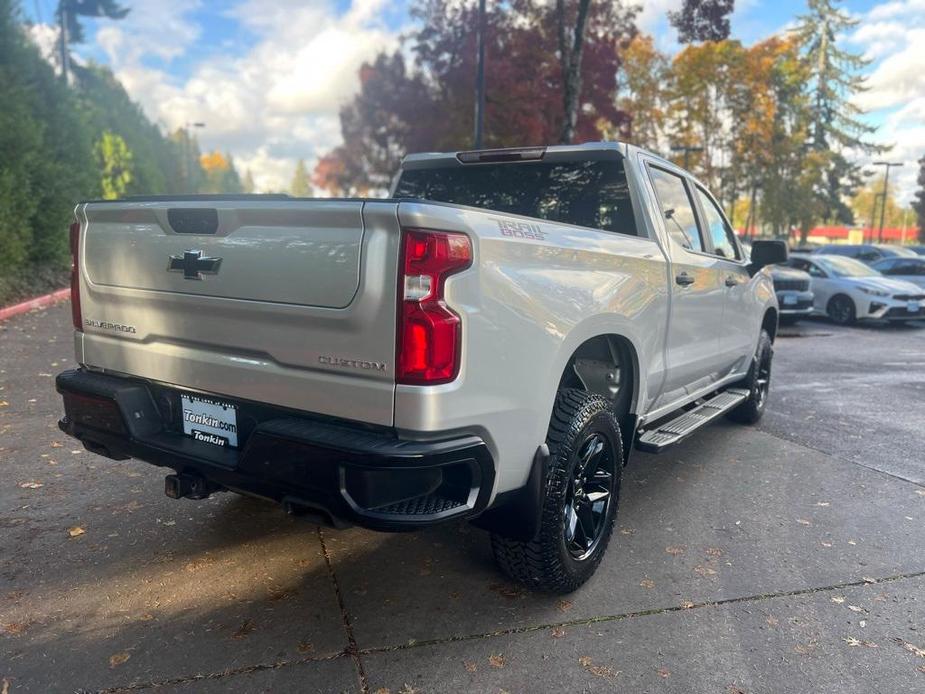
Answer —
(920, 492)
(31, 485)
(868, 579)
(496, 660)
(804, 648)
(117, 659)
(675, 550)
(56, 444)
(4, 403)
(664, 673)
(305, 647)
(75, 531)
(704, 570)
(383, 690)
(851, 641)
(855, 608)
(920, 652)
(507, 590)
(838, 599)
(470, 666)
(647, 583)
(15, 628)
(408, 689)
(597, 670)
(687, 604)
(5, 686)
(714, 552)
(627, 531)
(558, 632)
(771, 620)
(246, 628)
(565, 605)
(803, 521)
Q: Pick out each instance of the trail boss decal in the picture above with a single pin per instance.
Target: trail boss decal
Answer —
(521, 230)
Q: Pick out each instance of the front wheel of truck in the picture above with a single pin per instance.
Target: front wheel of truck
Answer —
(579, 507)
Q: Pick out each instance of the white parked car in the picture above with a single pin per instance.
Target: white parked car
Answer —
(847, 290)
(906, 269)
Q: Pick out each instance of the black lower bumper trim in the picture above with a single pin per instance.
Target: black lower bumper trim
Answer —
(356, 475)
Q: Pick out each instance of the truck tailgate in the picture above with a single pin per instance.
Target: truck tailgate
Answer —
(290, 302)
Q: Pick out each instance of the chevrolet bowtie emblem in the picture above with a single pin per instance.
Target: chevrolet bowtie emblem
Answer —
(194, 265)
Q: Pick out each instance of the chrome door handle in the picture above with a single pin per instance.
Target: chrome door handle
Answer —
(684, 279)
(731, 281)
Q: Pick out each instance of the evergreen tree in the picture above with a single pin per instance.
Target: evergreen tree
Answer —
(702, 20)
(919, 203)
(46, 158)
(301, 186)
(70, 29)
(835, 121)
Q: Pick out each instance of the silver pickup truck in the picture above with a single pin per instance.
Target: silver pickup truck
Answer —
(489, 343)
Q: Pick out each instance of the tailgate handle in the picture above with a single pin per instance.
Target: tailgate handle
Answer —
(193, 220)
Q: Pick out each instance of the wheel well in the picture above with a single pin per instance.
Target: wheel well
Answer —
(592, 368)
(769, 323)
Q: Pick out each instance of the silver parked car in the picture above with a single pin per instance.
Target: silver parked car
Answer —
(906, 269)
(847, 290)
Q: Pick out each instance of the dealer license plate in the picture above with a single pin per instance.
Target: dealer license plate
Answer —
(912, 307)
(210, 421)
(789, 300)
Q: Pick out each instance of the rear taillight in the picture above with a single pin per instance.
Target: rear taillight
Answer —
(75, 275)
(429, 333)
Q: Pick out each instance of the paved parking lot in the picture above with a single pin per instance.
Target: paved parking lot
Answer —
(788, 557)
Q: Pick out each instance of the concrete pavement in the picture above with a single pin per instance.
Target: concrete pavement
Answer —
(787, 557)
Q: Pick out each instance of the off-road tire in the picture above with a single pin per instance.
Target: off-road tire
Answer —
(545, 562)
(841, 310)
(757, 382)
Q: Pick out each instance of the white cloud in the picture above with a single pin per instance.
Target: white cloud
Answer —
(269, 103)
(892, 34)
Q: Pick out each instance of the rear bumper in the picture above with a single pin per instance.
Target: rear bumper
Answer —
(341, 472)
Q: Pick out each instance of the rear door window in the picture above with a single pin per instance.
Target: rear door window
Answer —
(718, 228)
(677, 209)
(591, 193)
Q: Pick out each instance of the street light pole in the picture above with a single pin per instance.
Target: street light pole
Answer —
(886, 185)
(480, 78)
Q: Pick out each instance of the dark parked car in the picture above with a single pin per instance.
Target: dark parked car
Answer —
(865, 252)
(908, 269)
(794, 296)
(920, 250)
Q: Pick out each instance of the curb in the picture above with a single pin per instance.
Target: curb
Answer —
(32, 304)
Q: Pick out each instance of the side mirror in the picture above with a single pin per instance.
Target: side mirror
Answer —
(767, 253)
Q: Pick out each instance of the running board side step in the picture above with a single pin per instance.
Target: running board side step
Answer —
(675, 430)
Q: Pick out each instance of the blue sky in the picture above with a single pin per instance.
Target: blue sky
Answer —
(268, 76)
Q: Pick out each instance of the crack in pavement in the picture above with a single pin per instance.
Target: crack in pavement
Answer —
(644, 613)
(355, 653)
(840, 458)
(352, 650)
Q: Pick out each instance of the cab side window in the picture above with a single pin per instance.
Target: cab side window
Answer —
(677, 209)
(721, 233)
